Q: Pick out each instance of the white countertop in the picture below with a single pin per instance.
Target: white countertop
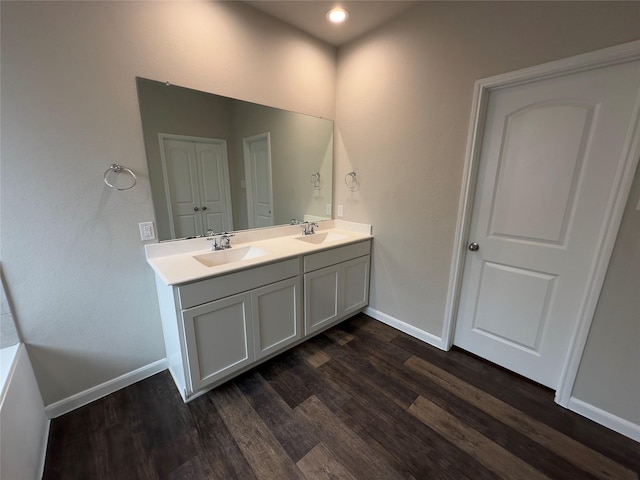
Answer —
(175, 264)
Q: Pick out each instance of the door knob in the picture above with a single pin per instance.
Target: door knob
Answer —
(474, 247)
(204, 208)
(195, 209)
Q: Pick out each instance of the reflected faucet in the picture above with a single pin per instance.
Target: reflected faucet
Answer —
(222, 241)
(308, 228)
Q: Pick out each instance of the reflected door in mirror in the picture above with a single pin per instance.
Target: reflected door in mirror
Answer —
(196, 175)
(257, 167)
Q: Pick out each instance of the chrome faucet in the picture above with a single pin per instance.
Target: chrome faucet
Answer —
(308, 228)
(222, 241)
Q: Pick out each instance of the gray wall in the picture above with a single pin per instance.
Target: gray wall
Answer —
(402, 114)
(609, 375)
(73, 261)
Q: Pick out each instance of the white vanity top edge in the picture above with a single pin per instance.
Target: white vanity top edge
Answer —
(174, 262)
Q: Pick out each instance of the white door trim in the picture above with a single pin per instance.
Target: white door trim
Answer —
(622, 184)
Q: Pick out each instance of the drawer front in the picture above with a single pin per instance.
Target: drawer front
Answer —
(225, 285)
(336, 255)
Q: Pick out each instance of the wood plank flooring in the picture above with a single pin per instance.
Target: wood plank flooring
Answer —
(360, 401)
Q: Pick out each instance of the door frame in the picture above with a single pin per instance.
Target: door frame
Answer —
(165, 175)
(622, 184)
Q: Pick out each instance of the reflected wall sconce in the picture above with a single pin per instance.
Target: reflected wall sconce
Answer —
(315, 180)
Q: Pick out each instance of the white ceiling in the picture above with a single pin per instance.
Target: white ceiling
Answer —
(310, 16)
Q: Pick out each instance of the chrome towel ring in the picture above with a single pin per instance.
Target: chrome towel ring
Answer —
(351, 181)
(115, 168)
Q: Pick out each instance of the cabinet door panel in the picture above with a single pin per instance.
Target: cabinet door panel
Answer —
(355, 284)
(219, 338)
(276, 312)
(321, 298)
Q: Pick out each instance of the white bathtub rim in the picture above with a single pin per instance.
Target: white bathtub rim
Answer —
(9, 360)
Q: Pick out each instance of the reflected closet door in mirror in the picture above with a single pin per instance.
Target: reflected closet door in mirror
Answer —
(197, 187)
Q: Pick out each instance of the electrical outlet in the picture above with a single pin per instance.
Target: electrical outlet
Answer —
(328, 209)
(147, 232)
(340, 211)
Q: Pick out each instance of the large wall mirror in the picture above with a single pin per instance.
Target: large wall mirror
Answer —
(221, 164)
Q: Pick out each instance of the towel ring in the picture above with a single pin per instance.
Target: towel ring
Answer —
(351, 181)
(115, 168)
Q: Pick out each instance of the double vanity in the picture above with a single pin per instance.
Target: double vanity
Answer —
(225, 311)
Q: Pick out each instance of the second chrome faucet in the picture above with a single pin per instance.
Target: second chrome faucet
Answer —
(309, 228)
(221, 241)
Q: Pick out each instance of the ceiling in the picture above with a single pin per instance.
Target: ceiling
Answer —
(310, 16)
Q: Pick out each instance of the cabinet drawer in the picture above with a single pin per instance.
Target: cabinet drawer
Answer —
(336, 255)
(219, 287)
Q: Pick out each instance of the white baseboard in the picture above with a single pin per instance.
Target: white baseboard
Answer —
(406, 328)
(617, 424)
(94, 393)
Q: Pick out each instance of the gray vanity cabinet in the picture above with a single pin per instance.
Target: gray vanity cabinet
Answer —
(227, 335)
(336, 284)
(216, 327)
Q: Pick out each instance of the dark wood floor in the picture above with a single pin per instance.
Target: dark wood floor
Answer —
(361, 401)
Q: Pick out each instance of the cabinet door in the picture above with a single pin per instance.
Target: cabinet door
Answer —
(321, 298)
(219, 339)
(354, 282)
(277, 319)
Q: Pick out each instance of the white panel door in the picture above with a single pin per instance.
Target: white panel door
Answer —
(549, 157)
(181, 184)
(198, 190)
(213, 176)
(257, 170)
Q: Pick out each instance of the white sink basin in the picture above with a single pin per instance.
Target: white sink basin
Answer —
(232, 255)
(325, 237)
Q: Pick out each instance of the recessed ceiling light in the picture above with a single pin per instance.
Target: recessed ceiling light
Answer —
(337, 15)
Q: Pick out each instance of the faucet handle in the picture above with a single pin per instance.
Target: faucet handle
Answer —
(312, 228)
